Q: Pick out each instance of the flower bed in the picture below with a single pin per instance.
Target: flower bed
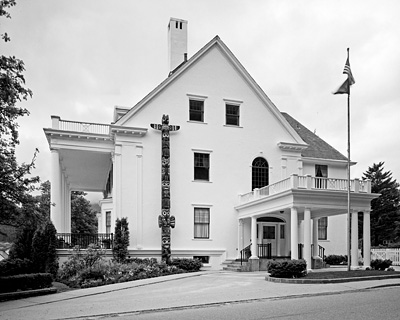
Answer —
(89, 269)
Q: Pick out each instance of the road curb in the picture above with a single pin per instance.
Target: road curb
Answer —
(326, 281)
(26, 294)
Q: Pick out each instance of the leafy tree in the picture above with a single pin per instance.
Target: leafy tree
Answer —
(385, 214)
(121, 240)
(83, 218)
(15, 180)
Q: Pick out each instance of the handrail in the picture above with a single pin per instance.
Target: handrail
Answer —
(245, 253)
(265, 250)
(70, 240)
(321, 251)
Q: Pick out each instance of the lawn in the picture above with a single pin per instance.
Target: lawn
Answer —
(348, 274)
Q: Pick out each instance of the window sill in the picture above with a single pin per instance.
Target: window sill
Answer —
(202, 181)
(198, 122)
(232, 126)
(201, 239)
(324, 240)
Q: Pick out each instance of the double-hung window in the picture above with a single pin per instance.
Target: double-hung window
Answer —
(232, 114)
(196, 110)
(201, 166)
(108, 222)
(201, 223)
(323, 228)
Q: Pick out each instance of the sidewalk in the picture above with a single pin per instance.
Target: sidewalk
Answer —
(170, 292)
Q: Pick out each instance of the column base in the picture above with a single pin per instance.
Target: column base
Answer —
(254, 264)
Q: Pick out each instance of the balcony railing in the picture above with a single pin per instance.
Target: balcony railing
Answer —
(76, 126)
(306, 182)
(70, 240)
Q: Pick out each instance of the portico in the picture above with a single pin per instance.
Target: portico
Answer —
(301, 202)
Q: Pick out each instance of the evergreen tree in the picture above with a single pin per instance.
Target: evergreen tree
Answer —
(44, 249)
(121, 240)
(385, 214)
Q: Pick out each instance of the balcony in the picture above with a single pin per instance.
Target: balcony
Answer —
(83, 127)
(306, 183)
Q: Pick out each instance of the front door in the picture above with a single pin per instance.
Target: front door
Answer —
(269, 236)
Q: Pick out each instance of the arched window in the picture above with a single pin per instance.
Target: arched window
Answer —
(259, 173)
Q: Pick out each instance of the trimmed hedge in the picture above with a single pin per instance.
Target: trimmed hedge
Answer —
(334, 259)
(379, 264)
(190, 265)
(287, 269)
(12, 267)
(25, 282)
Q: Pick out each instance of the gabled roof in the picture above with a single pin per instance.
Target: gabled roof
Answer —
(317, 148)
(216, 41)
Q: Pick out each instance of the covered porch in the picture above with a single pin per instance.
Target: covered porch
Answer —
(276, 217)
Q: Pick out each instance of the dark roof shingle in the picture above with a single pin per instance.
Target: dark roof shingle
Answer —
(317, 148)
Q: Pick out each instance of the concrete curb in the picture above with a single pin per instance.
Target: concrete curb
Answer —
(325, 281)
(26, 294)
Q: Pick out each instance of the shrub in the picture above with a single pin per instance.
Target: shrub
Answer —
(287, 269)
(44, 249)
(11, 267)
(334, 259)
(189, 265)
(378, 264)
(121, 240)
(80, 260)
(25, 282)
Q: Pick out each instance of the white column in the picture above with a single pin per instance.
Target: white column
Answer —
(117, 183)
(294, 233)
(307, 237)
(367, 238)
(354, 239)
(55, 180)
(68, 213)
(139, 203)
(315, 237)
(278, 240)
(99, 222)
(254, 253)
(240, 237)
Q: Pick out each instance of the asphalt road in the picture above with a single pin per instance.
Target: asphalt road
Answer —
(215, 295)
(374, 304)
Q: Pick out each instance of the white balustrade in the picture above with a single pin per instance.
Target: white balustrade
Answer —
(306, 182)
(85, 127)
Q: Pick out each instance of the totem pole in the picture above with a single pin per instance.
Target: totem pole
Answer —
(165, 220)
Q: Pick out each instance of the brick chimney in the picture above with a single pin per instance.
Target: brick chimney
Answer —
(177, 42)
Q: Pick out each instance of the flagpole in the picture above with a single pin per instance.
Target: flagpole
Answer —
(348, 173)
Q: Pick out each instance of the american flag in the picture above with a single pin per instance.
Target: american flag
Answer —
(347, 71)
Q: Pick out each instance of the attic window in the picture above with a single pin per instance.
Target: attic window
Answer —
(180, 25)
(176, 24)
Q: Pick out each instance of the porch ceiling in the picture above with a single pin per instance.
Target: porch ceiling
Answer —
(320, 202)
(86, 170)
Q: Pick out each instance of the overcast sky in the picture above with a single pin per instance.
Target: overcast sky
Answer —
(84, 57)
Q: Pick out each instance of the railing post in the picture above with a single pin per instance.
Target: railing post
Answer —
(294, 181)
(368, 187)
(356, 185)
(256, 193)
(309, 181)
(55, 122)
